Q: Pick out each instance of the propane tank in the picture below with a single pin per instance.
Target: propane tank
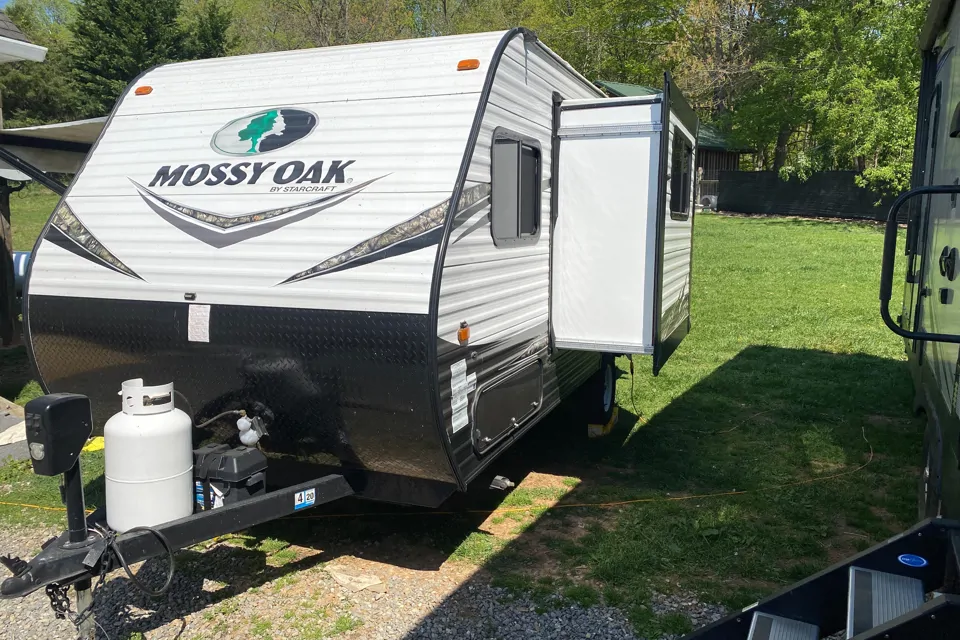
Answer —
(148, 451)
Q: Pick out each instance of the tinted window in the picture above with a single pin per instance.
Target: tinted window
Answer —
(515, 201)
(681, 174)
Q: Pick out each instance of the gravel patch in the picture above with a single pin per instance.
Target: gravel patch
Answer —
(481, 611)
(238, 593)
(699, 613)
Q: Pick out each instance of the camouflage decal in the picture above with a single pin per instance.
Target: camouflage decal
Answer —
(66, 230)
(416, 227)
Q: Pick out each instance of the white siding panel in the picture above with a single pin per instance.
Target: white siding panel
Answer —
(398, 112)
(676, 246)
(376, 71)
(473, 287)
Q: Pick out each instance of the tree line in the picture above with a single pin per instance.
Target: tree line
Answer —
(808, 85)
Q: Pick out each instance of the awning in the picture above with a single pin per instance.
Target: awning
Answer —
(56, 148)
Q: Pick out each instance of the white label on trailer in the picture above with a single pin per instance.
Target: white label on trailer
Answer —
(471, 382)
(198, 323)
(458, 395)
(304, 499)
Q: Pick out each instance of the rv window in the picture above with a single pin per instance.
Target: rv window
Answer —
(681, 175)
(515, 201)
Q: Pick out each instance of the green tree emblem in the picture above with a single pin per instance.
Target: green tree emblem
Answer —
(257, 127)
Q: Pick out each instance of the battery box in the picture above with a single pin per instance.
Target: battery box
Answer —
(224, 475)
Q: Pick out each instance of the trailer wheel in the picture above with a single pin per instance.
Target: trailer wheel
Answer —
(929, 501)
(603, 392)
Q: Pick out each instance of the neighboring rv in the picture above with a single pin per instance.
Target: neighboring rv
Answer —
(933, 238)
(372, 249)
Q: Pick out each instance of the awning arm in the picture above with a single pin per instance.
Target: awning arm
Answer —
(25, 167)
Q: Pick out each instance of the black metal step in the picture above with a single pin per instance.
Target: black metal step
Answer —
(821, 599)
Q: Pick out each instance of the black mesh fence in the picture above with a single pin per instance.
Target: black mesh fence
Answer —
(828, 194)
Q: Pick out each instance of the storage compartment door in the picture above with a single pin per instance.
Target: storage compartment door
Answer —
(605, 234)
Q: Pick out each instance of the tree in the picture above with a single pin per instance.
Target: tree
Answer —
(209, 29)
(40, 92)
(116, 40)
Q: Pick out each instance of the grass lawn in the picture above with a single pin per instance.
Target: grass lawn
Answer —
(29, 211)
(788, 377)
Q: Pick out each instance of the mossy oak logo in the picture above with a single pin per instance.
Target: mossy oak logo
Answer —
(263, 132)
(255, 134)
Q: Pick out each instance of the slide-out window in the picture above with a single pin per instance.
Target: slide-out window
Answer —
(681, 175)
(515, 185)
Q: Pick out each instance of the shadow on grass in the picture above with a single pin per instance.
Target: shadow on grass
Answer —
(771, 422)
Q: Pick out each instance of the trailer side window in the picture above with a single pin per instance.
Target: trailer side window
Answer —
(681, 176)
(516, 193)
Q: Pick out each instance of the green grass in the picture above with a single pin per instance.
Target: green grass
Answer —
(787, 370)
(18, 484)
(344, 623)
(29, 211)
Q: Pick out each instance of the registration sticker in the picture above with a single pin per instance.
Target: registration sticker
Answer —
(304, 499)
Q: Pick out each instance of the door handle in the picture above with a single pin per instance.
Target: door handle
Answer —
(948, 263)
(889, 260)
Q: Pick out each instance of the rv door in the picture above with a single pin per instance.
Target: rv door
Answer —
(622, 238)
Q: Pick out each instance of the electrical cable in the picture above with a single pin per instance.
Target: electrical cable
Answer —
(112, 544)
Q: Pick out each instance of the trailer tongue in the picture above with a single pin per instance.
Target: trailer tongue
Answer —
(58, 425)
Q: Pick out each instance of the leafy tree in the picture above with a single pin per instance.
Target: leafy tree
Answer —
(115, 40)
(41, 92)
(209, 27)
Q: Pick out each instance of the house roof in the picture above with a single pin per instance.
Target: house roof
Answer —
(709, 138)
(14, 46)
(9, 30)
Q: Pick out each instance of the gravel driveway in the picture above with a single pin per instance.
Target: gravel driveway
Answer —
(276, 591)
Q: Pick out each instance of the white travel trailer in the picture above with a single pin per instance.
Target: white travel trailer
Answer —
(373, 249)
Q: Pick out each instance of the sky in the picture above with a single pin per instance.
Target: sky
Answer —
(3, 3)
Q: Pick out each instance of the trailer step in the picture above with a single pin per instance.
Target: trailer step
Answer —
(876, 598)
(882, 588)
(767, 627)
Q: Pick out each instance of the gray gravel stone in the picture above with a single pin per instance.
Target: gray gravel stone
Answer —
(223, 599)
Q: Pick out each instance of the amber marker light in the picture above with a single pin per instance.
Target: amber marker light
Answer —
(144, 90)
(468, 65)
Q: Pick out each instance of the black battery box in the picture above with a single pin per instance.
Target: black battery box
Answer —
(223, 475)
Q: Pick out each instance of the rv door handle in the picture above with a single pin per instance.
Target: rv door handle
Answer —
(948, 263)
(889, 260)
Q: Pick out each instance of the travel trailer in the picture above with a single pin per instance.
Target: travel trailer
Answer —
(369, 246)
(929, 317)
(376, 266)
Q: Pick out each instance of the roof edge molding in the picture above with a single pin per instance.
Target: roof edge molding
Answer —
(936, 17)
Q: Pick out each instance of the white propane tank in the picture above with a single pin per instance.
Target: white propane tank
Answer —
(148, 451)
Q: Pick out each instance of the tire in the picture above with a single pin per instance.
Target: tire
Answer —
(602, 394)
(929, 494)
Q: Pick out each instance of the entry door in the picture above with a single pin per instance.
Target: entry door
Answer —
(921, 260)
(623, 233)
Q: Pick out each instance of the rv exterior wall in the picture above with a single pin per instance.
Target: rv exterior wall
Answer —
(264, 229)
(503, 292)
(934, 227)
(389, 125)
(677, 241)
